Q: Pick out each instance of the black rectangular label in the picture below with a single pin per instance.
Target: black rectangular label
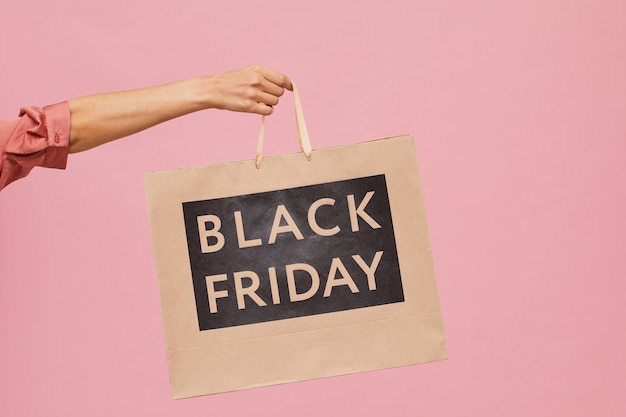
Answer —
(291, 253)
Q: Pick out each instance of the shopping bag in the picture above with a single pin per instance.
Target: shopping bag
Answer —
(294, 267)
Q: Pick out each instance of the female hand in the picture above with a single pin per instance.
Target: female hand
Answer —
(253, 89)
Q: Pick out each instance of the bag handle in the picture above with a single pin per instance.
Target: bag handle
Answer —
(303, 134)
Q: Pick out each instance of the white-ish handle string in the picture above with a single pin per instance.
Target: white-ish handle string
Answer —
(303, 133)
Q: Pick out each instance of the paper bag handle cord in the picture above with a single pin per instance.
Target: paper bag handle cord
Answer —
(303, 133)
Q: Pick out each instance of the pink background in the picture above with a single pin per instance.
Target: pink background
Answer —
(519, 113)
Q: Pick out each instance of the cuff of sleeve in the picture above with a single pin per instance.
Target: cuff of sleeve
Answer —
(57, 118)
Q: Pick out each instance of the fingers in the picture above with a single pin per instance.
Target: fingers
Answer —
(270, 86)
(270, 81)
(265, 110)
(267, 98)
(276, 78)
(260, 108)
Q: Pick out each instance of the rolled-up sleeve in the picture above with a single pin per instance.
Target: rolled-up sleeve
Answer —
(37, 137)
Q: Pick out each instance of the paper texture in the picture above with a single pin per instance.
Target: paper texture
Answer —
(297, 270)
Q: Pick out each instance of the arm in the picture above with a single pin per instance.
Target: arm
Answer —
(101, 118)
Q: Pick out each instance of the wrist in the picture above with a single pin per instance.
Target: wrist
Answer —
(205, 93)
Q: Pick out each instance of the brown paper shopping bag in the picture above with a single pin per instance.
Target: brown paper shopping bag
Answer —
(306, 267)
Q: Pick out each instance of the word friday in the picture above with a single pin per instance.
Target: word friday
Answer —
(290, 253)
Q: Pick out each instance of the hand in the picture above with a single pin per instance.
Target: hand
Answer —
(253, 89)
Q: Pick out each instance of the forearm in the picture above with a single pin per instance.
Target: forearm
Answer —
(101, 118)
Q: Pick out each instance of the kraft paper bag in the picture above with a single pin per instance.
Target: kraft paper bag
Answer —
(311, 265)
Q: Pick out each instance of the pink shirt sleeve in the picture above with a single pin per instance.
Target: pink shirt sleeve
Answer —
(37, 137)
